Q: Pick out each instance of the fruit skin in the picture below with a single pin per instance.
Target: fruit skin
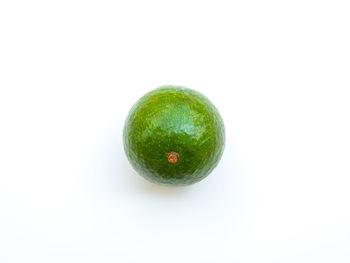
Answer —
(174, 119)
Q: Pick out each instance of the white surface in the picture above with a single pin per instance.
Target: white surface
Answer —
(278, 71)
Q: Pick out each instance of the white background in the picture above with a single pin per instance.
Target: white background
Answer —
(278, 71)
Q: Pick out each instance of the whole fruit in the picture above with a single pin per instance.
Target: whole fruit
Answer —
(174, 136)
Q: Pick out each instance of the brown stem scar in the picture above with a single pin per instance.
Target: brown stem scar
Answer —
(173, 157)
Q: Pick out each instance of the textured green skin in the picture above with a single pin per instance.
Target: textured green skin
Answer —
(174, 119)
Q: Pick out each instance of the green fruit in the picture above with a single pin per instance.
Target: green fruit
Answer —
(174, 136)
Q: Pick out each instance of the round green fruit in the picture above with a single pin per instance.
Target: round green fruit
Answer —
(174, 136)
